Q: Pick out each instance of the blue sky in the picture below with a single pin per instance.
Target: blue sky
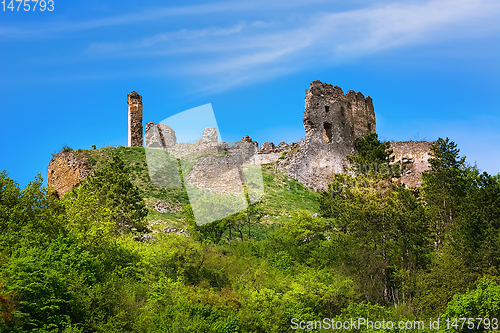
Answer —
(432, 68)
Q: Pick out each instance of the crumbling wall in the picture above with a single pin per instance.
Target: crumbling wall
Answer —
(216, 166)
(219, 174)
(219, 167)
(414, 155)
(66, 170)
(332, 123)
(160, 136)
(332, 120)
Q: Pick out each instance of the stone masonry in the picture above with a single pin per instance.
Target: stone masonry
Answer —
(414, 155)
(332, 123)
(217, 166)
(134, 119)
(160, 135)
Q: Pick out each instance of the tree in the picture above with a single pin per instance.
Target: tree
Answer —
(385, 222)
(476, 236)
(299, 236)
(48, 286)
(482, 302)
(443, 185)
(119, 199)
(208, 232)
(28, 215)
(373, 157)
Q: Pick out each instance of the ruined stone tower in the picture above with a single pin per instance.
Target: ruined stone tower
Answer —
(134, 119)
(332, 122)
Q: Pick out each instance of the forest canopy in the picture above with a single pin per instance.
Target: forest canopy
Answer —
(374, 249)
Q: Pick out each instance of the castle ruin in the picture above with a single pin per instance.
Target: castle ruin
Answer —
(332, 120)
(332, 123)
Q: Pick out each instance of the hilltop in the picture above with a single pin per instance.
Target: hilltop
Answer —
(282, 195)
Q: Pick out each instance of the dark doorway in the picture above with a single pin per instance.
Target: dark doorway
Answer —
(327, 132)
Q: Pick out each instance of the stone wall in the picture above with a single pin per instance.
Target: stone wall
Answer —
(134, 119)
(160, 135)
(66, 170)
(414, 155)
(219, 174)
(225, 172)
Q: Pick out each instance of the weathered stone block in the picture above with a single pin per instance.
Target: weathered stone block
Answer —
(160, 136)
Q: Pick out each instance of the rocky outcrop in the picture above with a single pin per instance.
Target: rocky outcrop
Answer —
(66, 170)
(332, 123)
(414, 155)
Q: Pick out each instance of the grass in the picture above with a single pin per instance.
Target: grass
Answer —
(285, 195)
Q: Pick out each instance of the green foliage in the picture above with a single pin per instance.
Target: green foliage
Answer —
(375, 252)
(443, 185)
(372, 312)
(45, 283)
(388, 231)
(299, 236)
(476, 236)
(117, 200)
(66, 148)
(373, 157)
(482, 302)
(27, 216)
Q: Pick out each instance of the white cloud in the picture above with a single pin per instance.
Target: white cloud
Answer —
(153, 14)
(248, 52)
(239, 52)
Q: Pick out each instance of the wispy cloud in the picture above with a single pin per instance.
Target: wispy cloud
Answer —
(151, 14)
(243, 51)
(249, 52)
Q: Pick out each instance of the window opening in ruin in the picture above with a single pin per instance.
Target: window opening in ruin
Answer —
(342, 112)
(327, 108)
(369, 127)
(327, 132)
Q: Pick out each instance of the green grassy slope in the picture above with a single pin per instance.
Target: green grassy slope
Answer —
(282, 196)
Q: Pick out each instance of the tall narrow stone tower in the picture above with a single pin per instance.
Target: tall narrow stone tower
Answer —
(134, 119)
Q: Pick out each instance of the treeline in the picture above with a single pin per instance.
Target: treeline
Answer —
(377, 250)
